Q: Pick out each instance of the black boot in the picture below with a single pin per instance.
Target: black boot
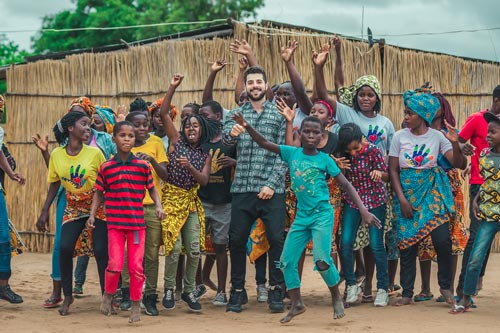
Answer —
(149, 302)
(125, 303)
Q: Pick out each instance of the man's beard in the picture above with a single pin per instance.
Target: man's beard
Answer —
(258, 98)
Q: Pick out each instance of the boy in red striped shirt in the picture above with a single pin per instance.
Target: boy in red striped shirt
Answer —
(121, 183)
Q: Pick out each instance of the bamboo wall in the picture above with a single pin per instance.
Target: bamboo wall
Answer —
(39, 93)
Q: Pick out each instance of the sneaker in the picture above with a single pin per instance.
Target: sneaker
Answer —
(262, 293)
(191, 301)
(236, 299)
(149, 302)
(220, 299)
(77, 290)
(199, 291)
(168, 299)
(352, 293)
(125, 303)
(382, 298)
(275, 299)
(9, 295)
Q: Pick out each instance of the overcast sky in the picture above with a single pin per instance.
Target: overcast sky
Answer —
(384, 17)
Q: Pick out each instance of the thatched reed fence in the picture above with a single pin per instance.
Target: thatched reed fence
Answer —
(39, 92)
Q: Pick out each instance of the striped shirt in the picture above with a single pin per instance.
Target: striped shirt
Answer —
(123, 184)
(257, 167)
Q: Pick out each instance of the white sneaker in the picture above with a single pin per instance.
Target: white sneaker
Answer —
(382, 298)
(262, 293)
(352, 293)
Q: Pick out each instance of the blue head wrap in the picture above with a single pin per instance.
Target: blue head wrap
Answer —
(422, 103)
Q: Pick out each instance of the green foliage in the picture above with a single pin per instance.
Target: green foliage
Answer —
(114, 13)
(9, 54)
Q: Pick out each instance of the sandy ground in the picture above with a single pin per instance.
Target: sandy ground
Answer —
(31, 280)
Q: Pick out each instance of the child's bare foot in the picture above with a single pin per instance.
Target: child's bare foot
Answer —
(295, 310)
(448, 296)
(403, 301)
(107, 305)
(64, 310)
(135, 313)
(338, 308)
(210, 284)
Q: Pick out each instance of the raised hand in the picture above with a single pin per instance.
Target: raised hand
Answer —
(218, 65)
(77, 178)
(287, 52)
(336, 42)
(285, 110)
(243, 62)
(176, 80)
(319, 59)
(451, 132)
(41, 143)
(121, 113)
(241, 47)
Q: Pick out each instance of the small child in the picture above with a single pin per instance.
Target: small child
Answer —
(485, 207)
(121, 182)
(314, 219)
(367, 173)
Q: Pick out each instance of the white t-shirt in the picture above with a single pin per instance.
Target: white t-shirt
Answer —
(378, 130)
(419, 151)
(1, 137)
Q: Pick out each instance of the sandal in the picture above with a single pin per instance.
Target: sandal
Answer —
(422, 297)
(51, 303)
(367, 299)
(457, 309)
(440, 299)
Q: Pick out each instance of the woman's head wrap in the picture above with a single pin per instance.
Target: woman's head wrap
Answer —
(108, 117)
(422, 102)
(157, 104)
(85, 103)
(348, 94)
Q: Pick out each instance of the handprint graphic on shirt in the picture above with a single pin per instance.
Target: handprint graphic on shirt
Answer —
(374, 136)
(419, 157)
(77, 178)
(215, 167)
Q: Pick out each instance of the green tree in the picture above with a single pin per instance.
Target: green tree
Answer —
(114, 13)
(10, 53)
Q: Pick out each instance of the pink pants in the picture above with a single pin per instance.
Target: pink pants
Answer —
(116, 250)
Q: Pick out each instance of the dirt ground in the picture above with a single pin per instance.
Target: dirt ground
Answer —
(31, 279)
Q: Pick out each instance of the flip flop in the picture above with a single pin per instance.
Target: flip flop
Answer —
(458, 309)
(422, 297)
(51, 303)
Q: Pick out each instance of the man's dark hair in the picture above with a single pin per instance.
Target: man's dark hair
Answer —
(254, 70)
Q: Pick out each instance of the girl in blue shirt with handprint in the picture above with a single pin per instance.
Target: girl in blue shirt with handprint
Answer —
(74, 165)
(422, 196)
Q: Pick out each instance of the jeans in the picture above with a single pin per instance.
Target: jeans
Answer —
(484, 237)
(245, 209)
(351, 221)
(60, 206)
(70, 231)
(5, 248)
(190, 238)
(82, 263)
(116, 250)
(316, 225)
(260, 269)
(473, 228)
(151, 249)
(442, 244)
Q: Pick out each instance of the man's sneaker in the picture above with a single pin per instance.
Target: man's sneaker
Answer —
(352, 293)
(191, 301)
(149, 302)
(199, 291)
(77, 290)
(125, 303)
(382, 298)
(9, 295)
(262, 293)
(275, 299)
(168, 299)
(236, 299)
(220, 299)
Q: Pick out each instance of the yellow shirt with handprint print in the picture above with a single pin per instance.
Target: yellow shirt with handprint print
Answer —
(76, 173)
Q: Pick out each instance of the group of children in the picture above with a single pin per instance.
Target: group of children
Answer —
(354, 186)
